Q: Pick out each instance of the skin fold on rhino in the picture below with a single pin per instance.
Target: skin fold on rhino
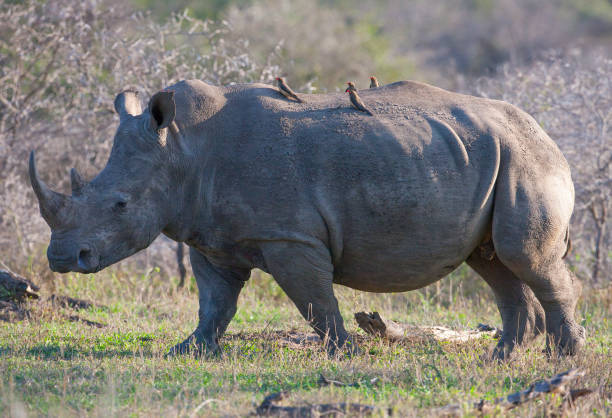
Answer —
(318, 193)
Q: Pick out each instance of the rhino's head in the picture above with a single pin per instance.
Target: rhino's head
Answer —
(127, 205)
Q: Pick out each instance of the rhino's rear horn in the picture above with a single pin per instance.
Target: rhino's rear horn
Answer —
(53, 205)
(76, 182)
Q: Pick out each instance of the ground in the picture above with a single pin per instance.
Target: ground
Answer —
(50, 365)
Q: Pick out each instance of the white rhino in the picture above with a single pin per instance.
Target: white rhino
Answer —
(319, 193)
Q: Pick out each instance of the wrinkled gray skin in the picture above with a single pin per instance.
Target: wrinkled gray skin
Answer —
(319, 193)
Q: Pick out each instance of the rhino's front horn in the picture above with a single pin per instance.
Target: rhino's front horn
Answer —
(76, 182)
(52, 204)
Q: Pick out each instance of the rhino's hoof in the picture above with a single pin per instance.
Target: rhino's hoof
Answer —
(348, 349)
(575, 343)
(570, 345)
(498, 355)
(194, 347)
(501, 353)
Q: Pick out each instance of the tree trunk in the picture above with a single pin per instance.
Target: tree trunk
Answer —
(600, 224)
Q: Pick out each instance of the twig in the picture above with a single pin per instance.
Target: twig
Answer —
(202, 405)
(324, 381)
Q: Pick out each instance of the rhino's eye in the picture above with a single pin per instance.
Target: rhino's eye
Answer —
(120, 205)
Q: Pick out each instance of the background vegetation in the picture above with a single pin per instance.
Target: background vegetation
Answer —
(61, 64)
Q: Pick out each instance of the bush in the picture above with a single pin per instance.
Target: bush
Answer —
(571, 97)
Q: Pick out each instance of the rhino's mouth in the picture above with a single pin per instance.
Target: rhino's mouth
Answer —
(89, 270)
(104, 261)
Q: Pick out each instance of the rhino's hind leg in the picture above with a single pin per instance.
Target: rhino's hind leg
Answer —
(557, 290)
(530, 221)
(522, 315)
(218, 293)
(305, 274)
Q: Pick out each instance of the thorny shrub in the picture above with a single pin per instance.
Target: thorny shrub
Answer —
(571, 97)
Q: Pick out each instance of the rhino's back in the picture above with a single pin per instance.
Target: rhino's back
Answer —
(400, 198)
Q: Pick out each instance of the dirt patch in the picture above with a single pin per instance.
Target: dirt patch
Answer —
(294, 339)
(291, 338)
(374, 326)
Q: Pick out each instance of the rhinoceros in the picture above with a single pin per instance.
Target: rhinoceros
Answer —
(318, 194)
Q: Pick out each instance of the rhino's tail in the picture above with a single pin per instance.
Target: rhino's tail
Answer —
(568, 243)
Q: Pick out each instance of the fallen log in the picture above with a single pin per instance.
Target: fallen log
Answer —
(373, 324)
(556, 384)
(16, 288)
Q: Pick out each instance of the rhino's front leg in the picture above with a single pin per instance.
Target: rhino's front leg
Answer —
(305, 273)
(219, 289)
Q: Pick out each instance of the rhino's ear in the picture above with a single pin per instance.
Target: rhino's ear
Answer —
(162, 109)
(127, 103)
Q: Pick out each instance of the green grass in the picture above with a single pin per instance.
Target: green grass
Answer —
(52, 366)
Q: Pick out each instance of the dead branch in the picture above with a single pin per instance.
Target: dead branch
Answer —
(268, 408)
(556, 384)
(324, 381)
(373, 324)
(16, 288)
